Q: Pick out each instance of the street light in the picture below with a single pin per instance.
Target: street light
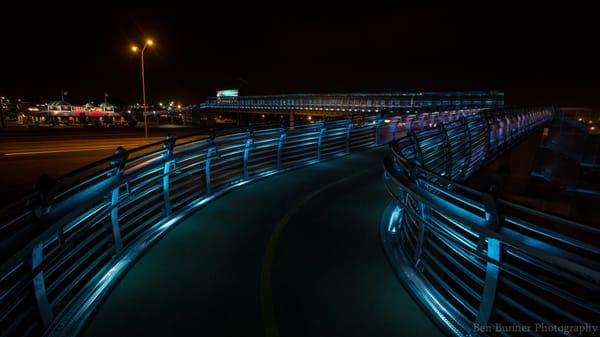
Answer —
(135, 49)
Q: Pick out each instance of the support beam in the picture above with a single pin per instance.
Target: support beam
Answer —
(292, 119)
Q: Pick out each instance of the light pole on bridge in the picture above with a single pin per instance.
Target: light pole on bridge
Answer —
(135, 49)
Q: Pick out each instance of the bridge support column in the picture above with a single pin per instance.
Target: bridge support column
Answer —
(292, 119)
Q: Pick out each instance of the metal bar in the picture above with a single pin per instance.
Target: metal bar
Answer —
(348, 135)
(378, 124)
(467, 162)
(482, 231)
(209, 154)
(39, 285)
(322, 131)
(247, 144)
(447, 150)
(423, 214)
(114, 220)
(118, 164)
(492, 272)
(167, 155)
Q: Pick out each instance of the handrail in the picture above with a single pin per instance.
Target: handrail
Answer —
(65, 244)
(481, 265)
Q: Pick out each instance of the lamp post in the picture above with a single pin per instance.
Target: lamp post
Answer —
(135, 49)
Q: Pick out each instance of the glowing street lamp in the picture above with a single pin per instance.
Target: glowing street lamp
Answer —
(135, 49)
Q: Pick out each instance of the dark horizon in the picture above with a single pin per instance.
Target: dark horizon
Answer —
(536, 55)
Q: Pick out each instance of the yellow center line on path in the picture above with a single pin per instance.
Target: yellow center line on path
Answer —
(266, 276)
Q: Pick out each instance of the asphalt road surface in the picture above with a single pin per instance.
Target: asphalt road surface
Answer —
(297, 254)
(27, 154)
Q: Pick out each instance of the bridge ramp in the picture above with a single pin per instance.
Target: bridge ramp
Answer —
(297, 254)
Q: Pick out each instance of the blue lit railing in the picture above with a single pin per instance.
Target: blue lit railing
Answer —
(65, 244)
(481, 265)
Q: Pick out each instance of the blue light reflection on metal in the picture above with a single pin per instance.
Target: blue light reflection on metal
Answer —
(142, 193)
(545, 264)
(39, 286)
(394, 219)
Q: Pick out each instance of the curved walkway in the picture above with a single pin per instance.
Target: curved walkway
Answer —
(297, 254)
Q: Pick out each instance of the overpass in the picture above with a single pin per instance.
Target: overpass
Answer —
(339, 105)
(277, 231)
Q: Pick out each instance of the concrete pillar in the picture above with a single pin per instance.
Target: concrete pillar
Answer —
(292, 119)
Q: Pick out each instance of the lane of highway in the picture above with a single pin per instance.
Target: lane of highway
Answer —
(27, 154)
(63, 146)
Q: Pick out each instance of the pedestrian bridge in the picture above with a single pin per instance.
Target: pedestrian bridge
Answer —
(339, 105)
(279, 231)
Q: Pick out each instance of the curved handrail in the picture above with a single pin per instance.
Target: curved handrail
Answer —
(65, 244)
(480, 264)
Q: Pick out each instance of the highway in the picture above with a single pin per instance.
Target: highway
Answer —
(27, 154)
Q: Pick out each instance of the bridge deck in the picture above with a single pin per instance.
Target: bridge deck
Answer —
(298, 253)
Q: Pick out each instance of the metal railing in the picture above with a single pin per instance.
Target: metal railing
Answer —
(359, 102)
(65, 244)
(479, 264)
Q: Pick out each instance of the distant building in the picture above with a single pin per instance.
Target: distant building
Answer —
(66, 113)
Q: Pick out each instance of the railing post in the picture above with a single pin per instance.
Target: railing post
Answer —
(469, 147)
(396, 121)
(118, 164)
(209, 154)
(167, 157)
(247, 145)
(46, 187)
(448, 151)
(39, 285)
(378, 125)
(423, 215)
(348, 134)
(492, 271)
(488, 134)
(322, 130)
(423, 210)
(282, 138)
(418, 153)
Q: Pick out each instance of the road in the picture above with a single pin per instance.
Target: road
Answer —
(297, 254)
(27, 154)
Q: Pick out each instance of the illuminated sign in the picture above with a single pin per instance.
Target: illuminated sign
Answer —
(228, 93)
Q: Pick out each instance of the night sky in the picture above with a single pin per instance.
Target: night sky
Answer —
(537, 55)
